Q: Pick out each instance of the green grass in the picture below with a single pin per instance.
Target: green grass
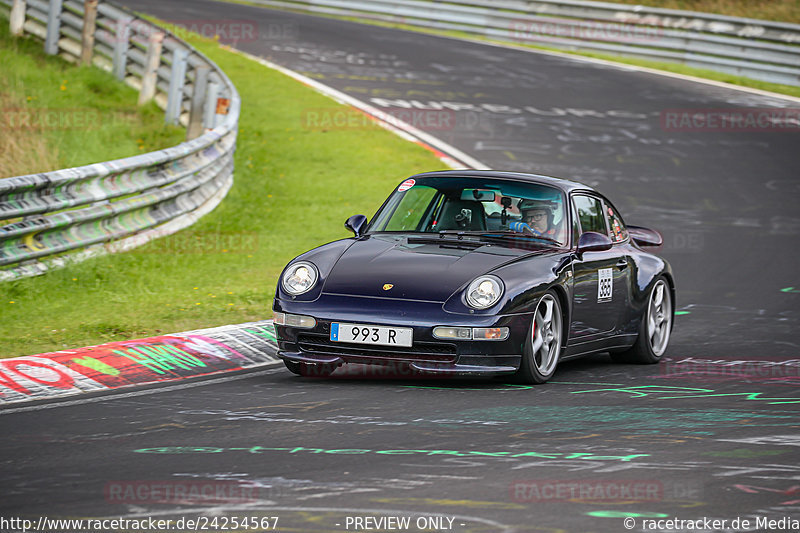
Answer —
(89, 115)
(294, 188)
(789, 10)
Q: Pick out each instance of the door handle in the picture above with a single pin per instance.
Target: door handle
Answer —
(622, 264)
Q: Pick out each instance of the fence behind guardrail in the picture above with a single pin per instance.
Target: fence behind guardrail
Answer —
(49, 219)
(758, 49)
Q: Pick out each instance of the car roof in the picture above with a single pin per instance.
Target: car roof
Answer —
(565, 185)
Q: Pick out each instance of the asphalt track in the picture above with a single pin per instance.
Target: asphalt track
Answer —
(712, 432)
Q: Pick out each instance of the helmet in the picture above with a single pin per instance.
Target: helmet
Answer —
(547, 206)
(530, 205)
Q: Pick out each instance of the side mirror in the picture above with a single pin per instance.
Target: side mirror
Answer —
(592, 241)
(355, 224)
(645, 236)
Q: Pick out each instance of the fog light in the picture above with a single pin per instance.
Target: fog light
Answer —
(490, 334)
(295, 321)
(444, 332)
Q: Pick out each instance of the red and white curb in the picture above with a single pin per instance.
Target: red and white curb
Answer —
(113, 365)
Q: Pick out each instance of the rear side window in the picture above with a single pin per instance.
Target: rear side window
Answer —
(618, 232)
(590, 214)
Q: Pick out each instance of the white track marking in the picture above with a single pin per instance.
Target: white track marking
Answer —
(388, 121)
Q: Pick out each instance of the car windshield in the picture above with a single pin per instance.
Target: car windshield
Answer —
(488, 207)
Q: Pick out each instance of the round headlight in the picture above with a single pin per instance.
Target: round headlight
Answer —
(299, 278)
(484, 292)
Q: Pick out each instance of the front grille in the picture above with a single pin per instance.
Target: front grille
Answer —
(439, 352)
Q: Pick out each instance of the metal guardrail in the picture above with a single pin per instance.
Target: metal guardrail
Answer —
(52, 218)
(758, 49)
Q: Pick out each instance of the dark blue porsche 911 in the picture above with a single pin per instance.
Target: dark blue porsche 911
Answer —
(478, 273)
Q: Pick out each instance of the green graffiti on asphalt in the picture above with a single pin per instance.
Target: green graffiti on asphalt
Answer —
(361, 451)
(642, 391)
(639, 391)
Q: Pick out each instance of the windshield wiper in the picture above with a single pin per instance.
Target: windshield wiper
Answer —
(517, 235)
(503, 236)
(443, 240)
(498, 235)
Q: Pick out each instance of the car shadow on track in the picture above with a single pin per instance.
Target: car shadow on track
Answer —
(596, 367)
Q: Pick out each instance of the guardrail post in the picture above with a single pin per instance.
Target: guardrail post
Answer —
(210, 112)
(151, 64)
(121, 42)
(17, 17)
(195, 128)
(87, 35)
(176, 80)
(53, 27)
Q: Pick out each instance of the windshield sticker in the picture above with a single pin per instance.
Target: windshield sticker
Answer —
(406, 185)
(605, 281)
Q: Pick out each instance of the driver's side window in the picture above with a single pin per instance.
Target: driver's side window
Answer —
(590, 214)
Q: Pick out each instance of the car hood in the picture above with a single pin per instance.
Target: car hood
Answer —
(415, 271)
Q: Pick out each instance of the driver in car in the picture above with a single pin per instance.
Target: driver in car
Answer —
(537, 219)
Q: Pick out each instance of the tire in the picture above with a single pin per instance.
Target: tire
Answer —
(309, 370)
(543, 344)
(654, 328)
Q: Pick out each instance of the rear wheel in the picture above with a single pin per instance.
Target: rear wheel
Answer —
(309, 370)
(543, 345)
(654, 330)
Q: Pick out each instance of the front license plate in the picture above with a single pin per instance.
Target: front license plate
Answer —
(366, 334)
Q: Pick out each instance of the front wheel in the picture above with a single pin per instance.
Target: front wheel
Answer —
(543, 345)
(654, 330)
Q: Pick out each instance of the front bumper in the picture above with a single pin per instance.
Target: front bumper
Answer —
(427, 355)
